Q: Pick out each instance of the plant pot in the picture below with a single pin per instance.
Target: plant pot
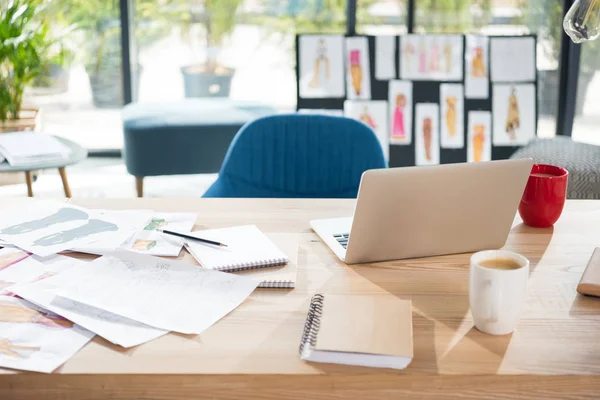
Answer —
(53, 80)
(200, 81)
(548, 81)
(107, 87)
(29, 120)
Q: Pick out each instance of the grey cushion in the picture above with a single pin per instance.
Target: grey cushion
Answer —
(184, 137)
(580, 159)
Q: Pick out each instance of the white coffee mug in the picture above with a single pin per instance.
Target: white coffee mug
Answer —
(497, 295)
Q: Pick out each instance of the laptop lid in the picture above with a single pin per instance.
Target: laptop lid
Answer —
(427, 211)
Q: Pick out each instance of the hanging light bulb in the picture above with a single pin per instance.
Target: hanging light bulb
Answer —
(582, 21)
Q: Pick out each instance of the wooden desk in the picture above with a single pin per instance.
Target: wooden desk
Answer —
(253, 352)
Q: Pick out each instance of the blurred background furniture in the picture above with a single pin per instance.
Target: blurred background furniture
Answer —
(580, 159)
(298, 155)
(76, 155)
(183, 137)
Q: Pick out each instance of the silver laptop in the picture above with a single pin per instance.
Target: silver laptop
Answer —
(427, 211)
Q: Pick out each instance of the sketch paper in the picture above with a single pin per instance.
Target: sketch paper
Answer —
(374, 114)
(33, 339)
(32, 268)
(114, 328)
(321, 66)
(385, 57)
(149, 241)
(322, 111)
(166, 294)
(477, 67)
(514, 108)
(452, 116)
(47, 227)
(479, 147)
(400, 95)
(431, 57)
(358, 70)
(427, 134)
(513, 59)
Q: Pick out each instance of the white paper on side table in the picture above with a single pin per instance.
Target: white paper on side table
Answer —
(36, 340)
(166, 294)
(49, 227)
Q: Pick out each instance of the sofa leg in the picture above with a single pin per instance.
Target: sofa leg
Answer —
(139, 185)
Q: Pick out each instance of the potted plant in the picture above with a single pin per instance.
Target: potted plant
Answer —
(210, 78)
(24, 40)
(55, 74)
(545, 18)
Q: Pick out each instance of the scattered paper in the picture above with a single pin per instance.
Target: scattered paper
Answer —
(321, 66)
(514, 108)
(480, 140)
(358, 70)
(477, 82)
(48, 227)
(374, 114)
(452, 124)
(162, 293)
(427, 134)
(36, 340)
(385, 57)
(513, 59)
(149, 241)
(400, 111)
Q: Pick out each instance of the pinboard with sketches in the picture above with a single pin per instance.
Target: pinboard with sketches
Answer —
(434, 98)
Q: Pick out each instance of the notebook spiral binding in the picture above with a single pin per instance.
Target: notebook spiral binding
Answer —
(313, 322)
(244, 267)
(277, 284)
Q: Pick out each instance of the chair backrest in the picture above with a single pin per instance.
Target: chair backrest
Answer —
(297, 155)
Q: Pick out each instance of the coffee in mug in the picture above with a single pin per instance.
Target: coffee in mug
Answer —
(500, 263)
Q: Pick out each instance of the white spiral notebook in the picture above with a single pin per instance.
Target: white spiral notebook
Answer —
(247, 248)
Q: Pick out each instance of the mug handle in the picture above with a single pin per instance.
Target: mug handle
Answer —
(495, 299)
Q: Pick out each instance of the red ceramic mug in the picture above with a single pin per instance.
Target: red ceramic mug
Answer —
(544, 196)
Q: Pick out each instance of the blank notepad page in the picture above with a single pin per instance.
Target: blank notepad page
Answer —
(247, 248)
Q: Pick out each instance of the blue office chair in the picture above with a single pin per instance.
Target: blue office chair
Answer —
(298, 155)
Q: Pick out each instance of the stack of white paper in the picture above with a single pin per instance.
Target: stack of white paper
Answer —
(23, 149)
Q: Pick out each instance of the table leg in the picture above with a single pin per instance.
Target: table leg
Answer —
(65, 182)
(29, 180)
(139, 185)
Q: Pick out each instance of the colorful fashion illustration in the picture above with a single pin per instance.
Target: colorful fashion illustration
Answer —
(422, 57)
(356, 71)
(478, 64)
(513, 120)
(409, 52)
(16, 313)
(478, 141)
(448, 57)
(398, 130)
(6, 260)
(7, 348)
(451, 115)
(320, 60)
(367, 119)
(156, 223)
(427, 137)
(144, 245)
(434, 58)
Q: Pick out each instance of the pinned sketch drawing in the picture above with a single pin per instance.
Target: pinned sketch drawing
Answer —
(358, 75)
(513, 59)
(407, 55)
(385, 52)
(436, 57)
(374, 114)
(514, 108)
(477, 67)
(452, 111)
(480, 145)
(400, 111)
(427, 134)
(321, 62)
(448, 56)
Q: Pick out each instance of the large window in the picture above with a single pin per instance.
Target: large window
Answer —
(381, 17)
(587, 109)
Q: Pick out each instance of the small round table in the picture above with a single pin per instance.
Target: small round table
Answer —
(77, 154)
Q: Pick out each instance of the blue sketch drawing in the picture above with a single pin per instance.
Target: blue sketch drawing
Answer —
(92, 227)
(61, 216)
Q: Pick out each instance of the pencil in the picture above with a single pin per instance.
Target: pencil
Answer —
(181, 235)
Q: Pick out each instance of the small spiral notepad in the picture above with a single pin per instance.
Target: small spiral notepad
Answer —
(247, 248)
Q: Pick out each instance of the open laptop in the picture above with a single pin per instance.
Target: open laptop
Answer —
(427, 211)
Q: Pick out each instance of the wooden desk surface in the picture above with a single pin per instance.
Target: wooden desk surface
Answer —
(253, 352)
